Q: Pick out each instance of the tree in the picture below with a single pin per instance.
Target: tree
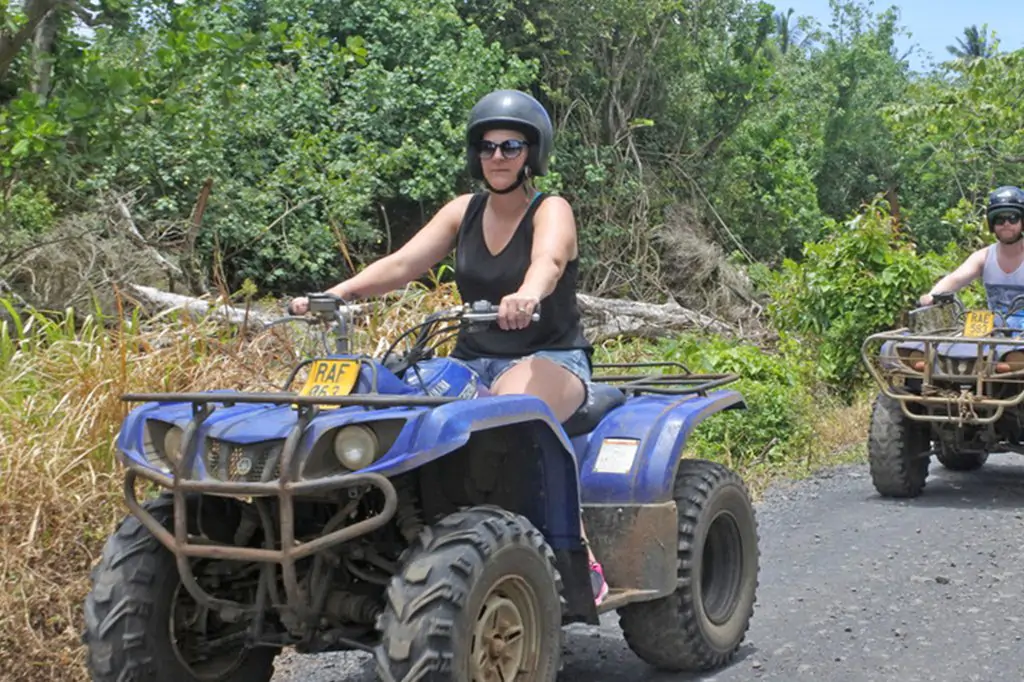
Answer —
(974, 45)
(958, 134)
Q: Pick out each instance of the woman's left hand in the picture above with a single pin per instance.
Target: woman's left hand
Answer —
(515, 310)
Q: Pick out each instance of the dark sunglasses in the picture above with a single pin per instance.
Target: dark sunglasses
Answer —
(1012, 219)
(510, 149)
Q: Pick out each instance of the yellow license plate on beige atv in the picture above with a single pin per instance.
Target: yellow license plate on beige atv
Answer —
(979, 323)
(330, 378)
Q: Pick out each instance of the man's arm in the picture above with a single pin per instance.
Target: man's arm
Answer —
(968, 271)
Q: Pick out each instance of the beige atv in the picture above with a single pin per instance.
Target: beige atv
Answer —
(951, 384)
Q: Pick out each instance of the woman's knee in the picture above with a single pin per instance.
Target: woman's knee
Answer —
(562, 390)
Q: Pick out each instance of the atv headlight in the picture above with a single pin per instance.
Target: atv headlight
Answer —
(356, 447)
(172, 444)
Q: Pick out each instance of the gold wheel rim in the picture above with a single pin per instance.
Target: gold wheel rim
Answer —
(506, 635)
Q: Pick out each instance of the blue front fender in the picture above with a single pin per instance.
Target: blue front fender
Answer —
(652, 431)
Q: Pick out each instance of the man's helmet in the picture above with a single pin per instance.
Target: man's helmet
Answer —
(1004, 200)
(514, 110)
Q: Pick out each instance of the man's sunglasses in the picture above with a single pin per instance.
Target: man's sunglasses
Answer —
(1011, 218)
(510, 149)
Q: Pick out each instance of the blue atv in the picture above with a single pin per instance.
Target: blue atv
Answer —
(394, 506)
(951, 385)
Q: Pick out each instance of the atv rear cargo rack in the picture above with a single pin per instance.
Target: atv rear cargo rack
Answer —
(686, 383)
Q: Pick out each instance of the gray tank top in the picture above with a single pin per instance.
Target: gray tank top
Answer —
(1001, 287)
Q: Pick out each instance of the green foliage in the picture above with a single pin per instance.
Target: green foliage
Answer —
(855, 282)
(960, 134)
(863, 74)
(333, 130)
(776, 423)
(814, 145)
(776, 386)
(343, 109)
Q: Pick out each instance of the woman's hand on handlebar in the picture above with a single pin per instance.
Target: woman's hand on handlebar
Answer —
(515, 310)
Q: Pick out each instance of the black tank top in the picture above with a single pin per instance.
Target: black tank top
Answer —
(483, 276)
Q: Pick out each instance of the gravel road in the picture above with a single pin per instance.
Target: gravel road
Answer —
(853, 588)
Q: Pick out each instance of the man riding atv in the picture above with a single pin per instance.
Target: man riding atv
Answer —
(515, 246)
(998, 265)
(952, 382)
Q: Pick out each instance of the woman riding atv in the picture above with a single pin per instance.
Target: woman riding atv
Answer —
(515, 247)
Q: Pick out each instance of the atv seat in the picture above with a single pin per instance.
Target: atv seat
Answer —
(601, 399)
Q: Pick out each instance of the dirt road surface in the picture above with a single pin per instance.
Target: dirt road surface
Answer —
(854, 588)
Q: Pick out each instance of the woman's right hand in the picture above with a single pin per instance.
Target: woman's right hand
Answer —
(298, 305)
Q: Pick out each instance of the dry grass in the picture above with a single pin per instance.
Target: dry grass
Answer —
(59, 415)
(59, 484)
(837, 437)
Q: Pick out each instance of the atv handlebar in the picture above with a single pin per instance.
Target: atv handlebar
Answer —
(485, 311)
(951, 298)
(326, 308)
(327, 305)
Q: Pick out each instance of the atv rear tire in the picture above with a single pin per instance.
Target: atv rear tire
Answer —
(961, 460)
(896, 450)
(702, 624)
(134, 595)
(478, 591)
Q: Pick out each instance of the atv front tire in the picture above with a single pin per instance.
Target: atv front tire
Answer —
(702, 624)
(897, 450)
(478, 598)
(136, 592)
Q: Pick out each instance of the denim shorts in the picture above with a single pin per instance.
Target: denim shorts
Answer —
(490, 368)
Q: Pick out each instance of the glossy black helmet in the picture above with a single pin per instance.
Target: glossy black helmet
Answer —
(514, 110)
(1004, 200)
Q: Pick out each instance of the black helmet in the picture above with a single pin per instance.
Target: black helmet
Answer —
(1004, 199)
(514, 110)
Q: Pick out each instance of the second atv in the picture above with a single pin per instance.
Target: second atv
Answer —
(951, 385)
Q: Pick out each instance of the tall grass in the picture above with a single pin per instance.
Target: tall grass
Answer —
(61, 379)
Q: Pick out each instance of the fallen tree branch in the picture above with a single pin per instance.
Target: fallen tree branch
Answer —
(133, 232)
(162, 301)
(608, 318)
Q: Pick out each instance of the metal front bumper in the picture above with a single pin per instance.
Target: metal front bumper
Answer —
(974, 403)
(284, 489)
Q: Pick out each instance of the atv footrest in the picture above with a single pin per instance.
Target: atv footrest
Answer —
(618, 598)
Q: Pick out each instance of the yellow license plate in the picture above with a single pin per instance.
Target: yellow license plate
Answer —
(979, 323)
(330, 378)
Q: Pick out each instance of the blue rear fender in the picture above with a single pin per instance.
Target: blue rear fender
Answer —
(646, 438)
